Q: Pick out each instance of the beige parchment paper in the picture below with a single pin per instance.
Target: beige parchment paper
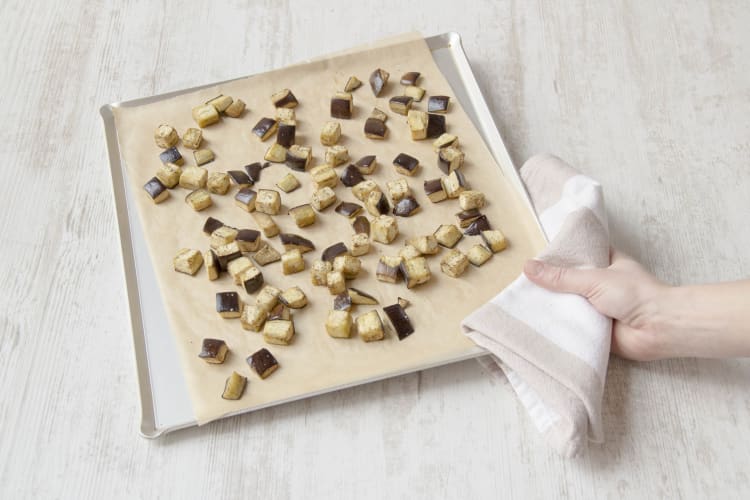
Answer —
(314, 361)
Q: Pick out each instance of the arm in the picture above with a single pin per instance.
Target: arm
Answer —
(654, 320)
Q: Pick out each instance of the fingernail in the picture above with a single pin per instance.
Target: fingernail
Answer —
(533, 267)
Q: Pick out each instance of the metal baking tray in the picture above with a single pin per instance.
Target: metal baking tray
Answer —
(165, 402)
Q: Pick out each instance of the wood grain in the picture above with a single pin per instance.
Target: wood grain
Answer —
(651, 98)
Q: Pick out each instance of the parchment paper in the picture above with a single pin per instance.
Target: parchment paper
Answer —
(315, 361)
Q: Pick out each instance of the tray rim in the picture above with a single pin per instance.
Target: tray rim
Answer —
(148, 426)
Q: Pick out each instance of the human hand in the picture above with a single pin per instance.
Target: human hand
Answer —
(624, 291)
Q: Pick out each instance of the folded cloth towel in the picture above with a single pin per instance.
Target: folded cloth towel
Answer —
(554, 347)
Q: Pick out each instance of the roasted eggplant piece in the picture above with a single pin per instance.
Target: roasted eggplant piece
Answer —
(469, 200)
(284, 99)
(494, 239)
(415, 271)
(298, 157)
(240, 178)
(223, 235)
(406, 164)
(187, 261)
(348, 265)
(203, 156)
(213, 351)
(336, 155)
(370, 326)
(399, 319)
(266, 255)
(248, 240)
(410, 78)
(199, 199)
(384, 229)
(245, 198)
(228, 304)
(221, 102)
(293, 298)
(466, 217)
(353, 83)
(480, 224)
(330, 134)
(253, 171)
(448, 235)
(351, 176)
(251, 279)
(416, 93)
(335, 282)
(303, 215)
(435, 125)
(266, 224)
(454, 263)
(268, 201)
(398, 189)
(389, 269)
(165, 136)
(169, 174)
(276, 153)
(286, 133)
(263, 362)
(218, 182)
(234, 387)
(400, 104)
(362, 298)
(211, 225)
(406, 207)
(212, 265)
(362, 190)
(454, 184)
(342, 302)
(366, 164)
(478, 255)
(278, 331)
(450, 159)
(361, 225)
(292, 262)
(292, 241)
(377, 203)
(192, 138)
(348, 209)
(205, 115)
(319, 272)
(433, 188)
(156, 190)
(339, 324)
(375, 129)
(378, 81)
(342, 105)
(265, 128)
(172, 155)
(445, 141)
(227, 253)
(323, 198)
(333, 251)
(323, 176)
(235, 109)
(417, 121)
(360, 244)
(438, 104)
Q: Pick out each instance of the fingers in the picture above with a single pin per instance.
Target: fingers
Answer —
(561, 279)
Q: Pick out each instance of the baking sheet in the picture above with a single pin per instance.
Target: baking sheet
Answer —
(333, 363)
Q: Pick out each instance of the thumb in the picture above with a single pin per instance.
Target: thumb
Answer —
(560, 279)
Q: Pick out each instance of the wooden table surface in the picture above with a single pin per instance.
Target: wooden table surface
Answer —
(651, 98)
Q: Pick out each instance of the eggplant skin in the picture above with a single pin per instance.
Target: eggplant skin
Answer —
(400, 320)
